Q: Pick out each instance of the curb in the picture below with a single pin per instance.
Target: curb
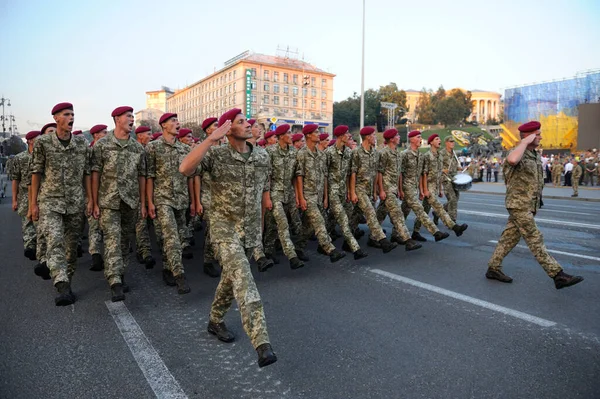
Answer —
(545, 196)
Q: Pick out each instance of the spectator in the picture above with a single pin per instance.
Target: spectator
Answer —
(496, 171)
(488, 174)
(568, 173)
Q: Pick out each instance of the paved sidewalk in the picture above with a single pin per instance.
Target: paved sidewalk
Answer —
(585, 193)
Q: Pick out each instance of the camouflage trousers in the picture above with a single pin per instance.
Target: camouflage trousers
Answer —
(521, 223)
(172, 225)
(209, 251)
(62, 232)
(237, 282)
(366, 206)
(313, 221)
(94, 236)
(575, 183)
(338, 210)
(412, 202)
(452, 197)
(438, 208)
(40, 247)
(142, 236)
(29, 234)
(118, 226)
(391, 206)
(354, 213)
(555, 178)
(276, 223)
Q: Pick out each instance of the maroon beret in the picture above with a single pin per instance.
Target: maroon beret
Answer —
(183, 132)
(332, 142)
(155, 136)
(282, 129)
(297, 137)
(76, 132)
(229, 115)
(207, 122)
(251, 122)
(530, 127)
(92, 143)
(308, 129)
(261, 143)
(340, 130)
(142, 129)
(431, 138)
(414, 133)
(367, 130)
(196, 139)
(60, 107)
(121, 110)
(166, 117)
(323, 136)
(390, 134)
(97, 128)
(33, 134)
(46, 126)
(270, 133)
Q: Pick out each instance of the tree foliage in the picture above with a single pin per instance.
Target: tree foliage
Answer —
(195, 128)
(347, 112)
(152, 124)
(424, 109)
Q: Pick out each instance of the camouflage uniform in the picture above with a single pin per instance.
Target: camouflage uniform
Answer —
(364, 165)
(41, 247)
(524, 184)
(142, 236)
(312, 167)
(205, 200)
(411, 168)
(432, 166)
(450, 163)
(61, 199)
(575, 178)
(557, 170)
(338, 171)
(390, 167)
(20, 170)
(171, 197)
(119, 164)
(237, 187)
(94, 232)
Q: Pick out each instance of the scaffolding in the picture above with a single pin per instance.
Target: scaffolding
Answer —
(552, 103)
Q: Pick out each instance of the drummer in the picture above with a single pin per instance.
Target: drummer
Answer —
(450, 167)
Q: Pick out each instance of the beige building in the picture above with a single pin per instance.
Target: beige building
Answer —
(157, 99)
(268, 88)
(148, 114)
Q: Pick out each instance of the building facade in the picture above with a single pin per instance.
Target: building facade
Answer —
(157, 99)
(272, 89)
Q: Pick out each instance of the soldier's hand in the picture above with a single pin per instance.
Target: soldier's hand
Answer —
(421, 196)
(303, 204)
(15, 205)
(401, 195)
(89, 209)
(199, 208)
(152, 211)
(144, 212)
(268, 204)
(220, 132)
(441, 195)
(192, 209)
(325, 203)
(96, 212)
(35, 212)
(529, 139)
(382, 195)
(354, 198)
(28, 216)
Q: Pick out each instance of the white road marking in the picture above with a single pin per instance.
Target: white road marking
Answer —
(554, 251)
(580, 204)
(465, 298)
(156, 372)
(541, 210)
(551, 221)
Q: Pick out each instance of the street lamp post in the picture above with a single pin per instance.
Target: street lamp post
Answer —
(305, 83)
(362, 75)
(2, 102)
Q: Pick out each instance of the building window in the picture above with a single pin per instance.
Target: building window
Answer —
(295, 79)
(313, 81)
(234, 101)
(323, 105)
(275, 88)
(323, 82)
(265, 99)
(266, 75)
(304, 91)
(234, 86)
(253, 98)
(229, 75)
(253, 71)
(253, 110)
(266, 87)
(253, 85)
(305, 102)
(275, 76)
(295, 90)
(285, 77)
(234, 73)
(294, 102)
(286, 101)
(276, 100)
(313, 92)
(286, 90)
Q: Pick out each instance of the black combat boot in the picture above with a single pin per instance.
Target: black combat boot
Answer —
(562, 280)
(439, 236)
(336, 255)
(346, 247)
(41, 269)
(498, 275)
(398, 240)
(97, 263)
(65, 296)
(264, 264)
(211, 270)
(358, 233)
(124, 284)
(149, 262)
(266, 355)
(221, 331)
(411, 245)
(29, 253)
(302, 256)
(418, 237)
(459, 229)
(182, 285)
(296, 263)
(372, 243)
(359, 254)
(116, 291)
(321, 250)
(386, 245)
(274, 258)
(139, 257)
(168, 278)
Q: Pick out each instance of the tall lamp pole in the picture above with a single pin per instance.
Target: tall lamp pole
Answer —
(2, 102)
(362, 75)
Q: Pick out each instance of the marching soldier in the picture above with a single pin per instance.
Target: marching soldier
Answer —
(270, 138)
(94, 232)
(60, 171)
(298, 141)
(118, 184)
(450, 167)
(576, 177)
(240, 183)
(524, 180)
(185, 136)
(323, 141)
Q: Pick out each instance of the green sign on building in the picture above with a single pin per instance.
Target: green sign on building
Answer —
(248, 93)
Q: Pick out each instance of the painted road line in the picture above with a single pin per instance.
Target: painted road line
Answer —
(156, 372)
(554, 251)
(465, 298)
(541, 210)
(551, 221)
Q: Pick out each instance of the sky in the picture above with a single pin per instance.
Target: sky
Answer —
(102, 54)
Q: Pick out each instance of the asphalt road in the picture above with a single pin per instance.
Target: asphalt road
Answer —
(424, 324)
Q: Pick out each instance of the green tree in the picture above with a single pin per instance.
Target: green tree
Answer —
(14, 145)
(195, 128)
(464, 101)
(347, 112)
(152, 124)
(449, 111)
(424, 108)
(372, 107)
(391, 94)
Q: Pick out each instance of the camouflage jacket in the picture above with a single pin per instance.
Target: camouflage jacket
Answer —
(432, 165)
(365, 164)
(411, 168)
(162, 165)
(62, 170)
(283, 168)
(20, 171)
(119, 166)
(311, 166)
(524, 182)
(577, 172)
(390, 167)
(450, 163)
(237, 186)
(338, 169)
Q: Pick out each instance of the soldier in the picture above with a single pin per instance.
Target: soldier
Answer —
(262, 143)
(590, 170)
(524, 180)
(390, 176)
(168, 196)
(412, 184)
(240, 184)
(312, 193)
(363, 182)
(431, 187)
(118, 188)
(557, 170)
(576, 177)
(20, 204)
(94, 232)
(283, 166)
(185, 136)
(298, 141)
(339, 158)
(143, 134)
(449, 168)
(257, 131)
(323, 141)
(270, 138)
(60, 171)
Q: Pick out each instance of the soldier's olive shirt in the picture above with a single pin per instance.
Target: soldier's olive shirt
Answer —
(283, 169)
(432, 165)
(120, 163)
(162, 165)
(62, 170)
(338, 169)
(365, 164)
(20, 171)
(411, 169)
(577, 172)
(312, 167)
(450, 163)
(524, 182)
(237, 186)
(390, 167)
